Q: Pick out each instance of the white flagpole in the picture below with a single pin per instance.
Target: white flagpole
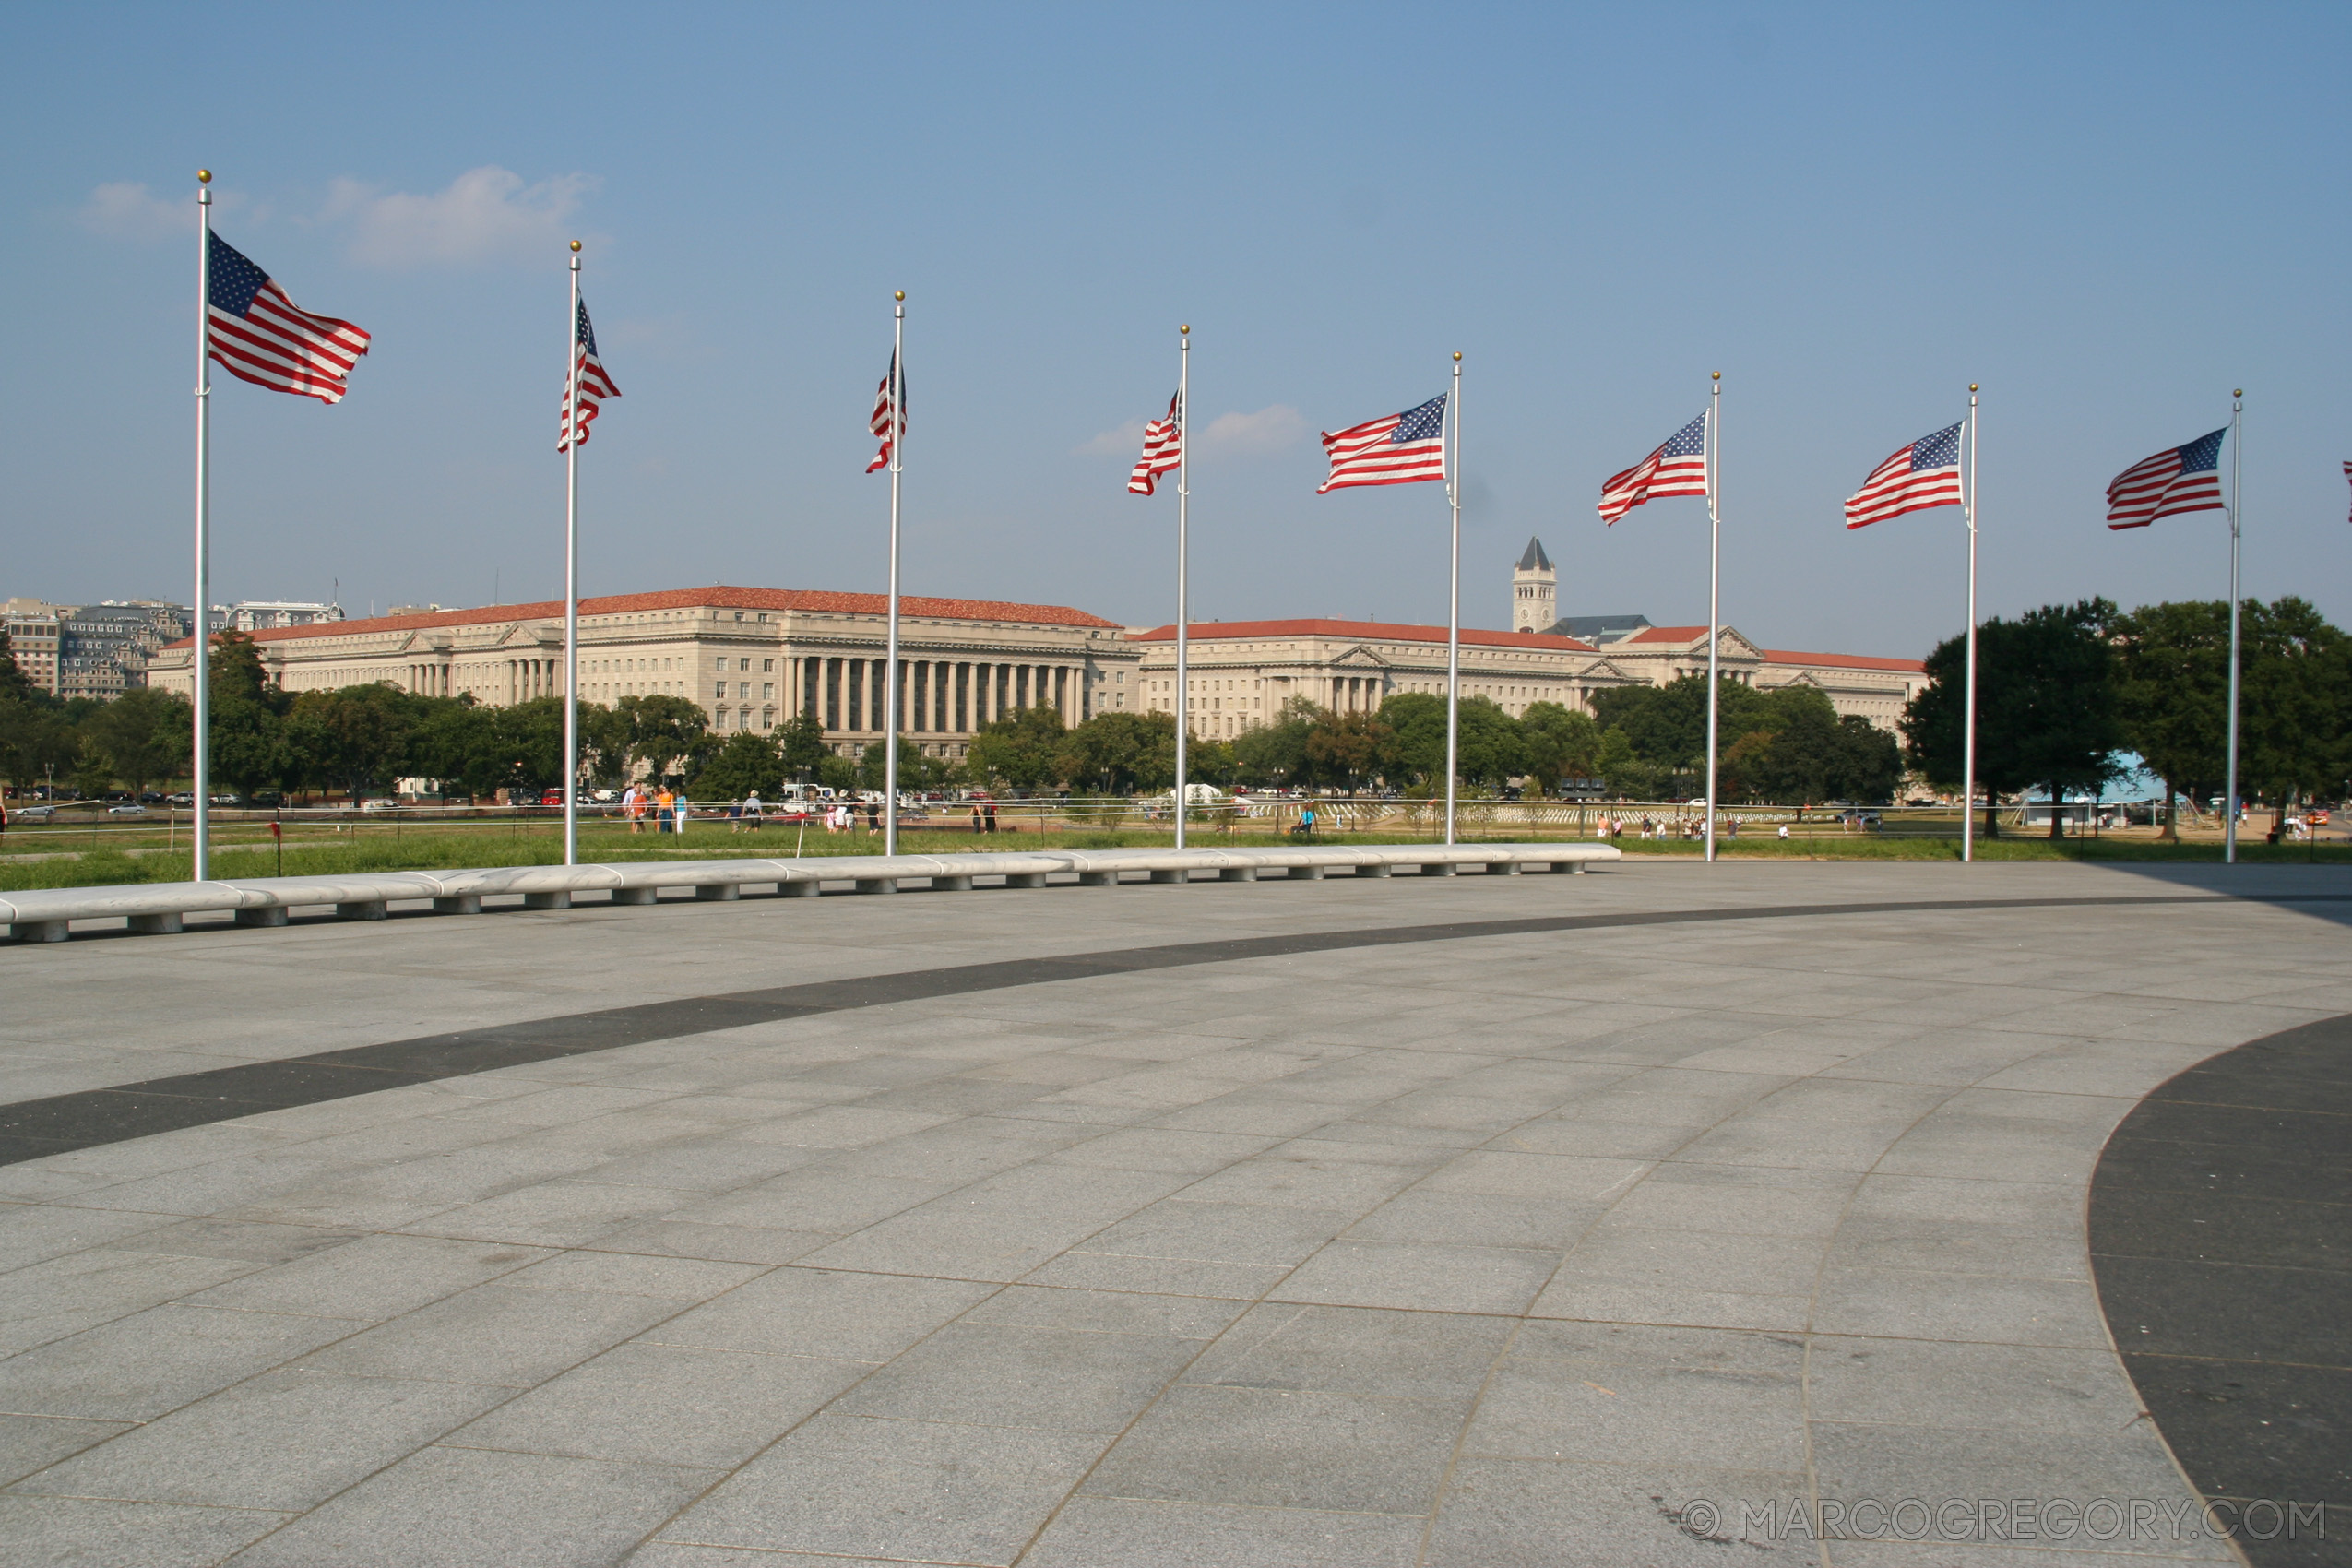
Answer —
(571, 574)
(1714, 613)
(890, 666)
(200, 665)
(1184, 542)
(1968, 720)
(1454, 599)
(2237, 450)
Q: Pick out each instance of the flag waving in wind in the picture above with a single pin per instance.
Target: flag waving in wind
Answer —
(259, 335)
(2177, 480)
(1679, 468)
(1400, 449)
(1163, 449)
(1926, 474)
(595, 386)
(889, 414)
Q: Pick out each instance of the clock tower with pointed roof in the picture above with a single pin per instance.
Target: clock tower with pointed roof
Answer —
(1535, 591)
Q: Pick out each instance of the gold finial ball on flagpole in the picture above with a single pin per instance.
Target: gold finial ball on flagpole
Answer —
(900, 295)
(575, 245)
(204, 176)
(1716, 375)
(1458, 356)
(2237, 391)
(1186, 329)
(1972, 386)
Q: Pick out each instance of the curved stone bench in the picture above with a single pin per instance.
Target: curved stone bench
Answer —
(46, 915)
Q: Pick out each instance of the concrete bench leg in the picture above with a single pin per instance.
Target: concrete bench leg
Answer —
(877, 884)
(1503, 868)
(363, 910)
(1026, 879)
(1383, 869)
(1097, 879)
(719, 893)
(459, 904)
(1306, 874)
(1576, 868)
(547, 901)
(1172, 877)
(797, 890)
(1442, 868)
(635, 895)
(1238, 873)
(39, 931)
(156, 925)
(273, 916)
(951, 884)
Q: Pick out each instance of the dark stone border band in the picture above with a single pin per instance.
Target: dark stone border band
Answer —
(2221, 1237)
(62, 1123)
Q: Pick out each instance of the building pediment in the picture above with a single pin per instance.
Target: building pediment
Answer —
(1602, 669)
(1359, 657)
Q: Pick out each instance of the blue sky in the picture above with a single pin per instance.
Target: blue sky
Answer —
(2108, 215)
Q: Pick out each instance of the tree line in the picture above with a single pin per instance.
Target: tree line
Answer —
(2065, 691)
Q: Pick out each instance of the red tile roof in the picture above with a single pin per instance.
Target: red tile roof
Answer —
(697, 599)
(1380, 630)
(1782, 655)
(1845, 660)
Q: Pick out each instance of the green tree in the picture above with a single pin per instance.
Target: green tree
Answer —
(663, 728)
(1418, 755)
(604, 746)
(353, 736)
(1488, 748)
(530, 738)
(1123, 753)
(802, 746)
(2296, 705)
(1023, 749)
(1345, 749)
(1561, 742)
(746, 765)
(34, 736)
(1622, 769)
(917, 773)
(1273, 755)
(249, 749)
(457, 743)
(2046, 705)
(144, 735)
(2172, 695)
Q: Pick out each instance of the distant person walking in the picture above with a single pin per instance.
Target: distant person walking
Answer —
(632, 807)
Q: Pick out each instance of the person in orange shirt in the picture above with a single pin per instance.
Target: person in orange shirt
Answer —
(665, 812)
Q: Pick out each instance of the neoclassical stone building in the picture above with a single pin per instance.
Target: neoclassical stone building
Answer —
(753, 657)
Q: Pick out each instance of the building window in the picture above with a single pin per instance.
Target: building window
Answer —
(767, 666)
(743, 663)
(722, 662)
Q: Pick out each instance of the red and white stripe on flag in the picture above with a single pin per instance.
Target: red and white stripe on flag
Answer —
(1925, 473)
(889, 414)
(1678, 467)
(2177, 480)
(1163, 450)
(595, 386)
(1400, 449)
(258, 333)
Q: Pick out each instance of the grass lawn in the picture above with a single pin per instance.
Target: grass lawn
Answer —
(423, 848)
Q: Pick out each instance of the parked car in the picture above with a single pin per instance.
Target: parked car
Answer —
(126, 808)
(380, 804)
(185, 798)
(33, 814)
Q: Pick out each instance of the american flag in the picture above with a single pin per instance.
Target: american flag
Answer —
(1926, 474)
(2347, 472)
(1679, 468)
(259, 335)
(2178, 479)
(1163, 449)
(883, 424)
(1401, 449)
(595, 386)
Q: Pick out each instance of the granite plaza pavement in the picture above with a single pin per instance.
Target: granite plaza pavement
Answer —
(1654, 1240)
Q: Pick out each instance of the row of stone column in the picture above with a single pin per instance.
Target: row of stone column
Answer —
(935, 697)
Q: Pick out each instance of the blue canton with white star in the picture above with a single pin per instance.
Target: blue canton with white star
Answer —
(1941, 451)
(2203, 454)
(1690, 440)
(234, 279)
(582, 333)
(1424, 424)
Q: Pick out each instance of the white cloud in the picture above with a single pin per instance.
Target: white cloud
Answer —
(126, 209)
(1127, 440)
(486, 214)
(1269, 430)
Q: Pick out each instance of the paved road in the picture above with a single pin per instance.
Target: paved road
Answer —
(1477, 1240)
